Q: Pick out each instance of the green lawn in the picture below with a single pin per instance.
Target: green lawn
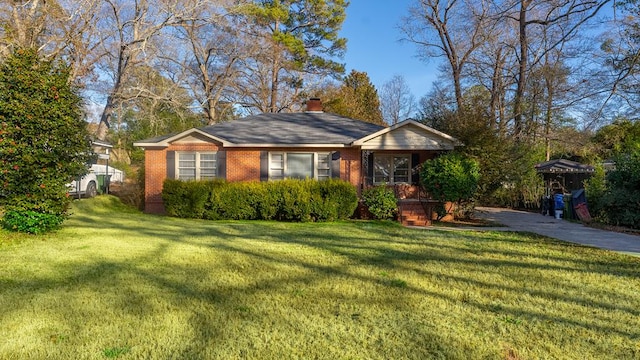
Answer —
(114, 283)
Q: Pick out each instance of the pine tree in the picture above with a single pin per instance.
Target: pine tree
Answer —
(357, 98)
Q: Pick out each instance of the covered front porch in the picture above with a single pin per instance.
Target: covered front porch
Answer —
(394, 156)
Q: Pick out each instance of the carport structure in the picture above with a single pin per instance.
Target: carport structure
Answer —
(564, 174)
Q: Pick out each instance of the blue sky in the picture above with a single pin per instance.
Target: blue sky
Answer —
(373, 45)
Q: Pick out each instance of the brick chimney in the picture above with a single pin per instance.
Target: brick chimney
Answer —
(314, 105)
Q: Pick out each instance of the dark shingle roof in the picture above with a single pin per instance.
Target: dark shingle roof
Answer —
(562, 166)
(292, 128)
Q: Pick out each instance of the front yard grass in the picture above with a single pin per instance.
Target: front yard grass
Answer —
(115, 283)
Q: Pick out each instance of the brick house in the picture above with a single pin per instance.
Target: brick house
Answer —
(311, 144)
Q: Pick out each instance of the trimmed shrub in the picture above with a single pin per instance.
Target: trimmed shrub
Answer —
(340, 199)
(381, 202)
(212, 199)
(293, 199)
(185, 199)
(173, 192)
(288, 200)
(238, 201)
(31, 222)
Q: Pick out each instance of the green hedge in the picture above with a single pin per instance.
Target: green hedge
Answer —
(381, 202)
(287, 200)
(31, 222)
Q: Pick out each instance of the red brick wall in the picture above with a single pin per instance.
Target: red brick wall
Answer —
(155, 167)
(351, 167)
(242, 165)
(155, 171)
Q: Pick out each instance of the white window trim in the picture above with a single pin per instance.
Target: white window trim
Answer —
(393, 170)
(316, 158)
(197, 160)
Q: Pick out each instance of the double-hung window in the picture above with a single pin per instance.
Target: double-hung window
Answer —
(197, 165)
(391, 169)
(299, 165)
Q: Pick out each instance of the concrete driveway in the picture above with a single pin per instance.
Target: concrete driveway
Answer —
(515, 220)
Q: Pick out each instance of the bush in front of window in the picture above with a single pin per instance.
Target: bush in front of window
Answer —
(187, 199)
(173, 192)
(337, 199)
(287, 200)
(292, 199)
(235, 201)
(381, 202)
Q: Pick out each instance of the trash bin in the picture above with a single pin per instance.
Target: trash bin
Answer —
(545, 206)
(101, 183)
(577, 197)
(107, 183)
(583, 212)
(559, 205)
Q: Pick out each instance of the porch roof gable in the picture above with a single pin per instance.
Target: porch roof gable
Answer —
(408, 135)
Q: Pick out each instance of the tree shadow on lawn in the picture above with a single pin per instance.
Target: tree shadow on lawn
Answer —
(384, 255)
(390, 258)
(101, 276)
(175, 229)
(386, 239)
(320, 271)
(381, 247)
(383, 238)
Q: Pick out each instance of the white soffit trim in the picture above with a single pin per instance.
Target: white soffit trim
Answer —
(286, 146)
(363, 140)
(150, 145)
(101, 143)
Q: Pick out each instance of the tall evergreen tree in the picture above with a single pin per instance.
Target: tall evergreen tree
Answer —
(357, 98)
(297, 37)
(43, 140)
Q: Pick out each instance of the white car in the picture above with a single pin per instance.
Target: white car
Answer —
(94, 181)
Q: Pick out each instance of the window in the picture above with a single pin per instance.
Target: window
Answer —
(391, 169)
(208, 166)
(299, 165)
(187, 166)
(324, 166)
(197, 165)
(276, 166)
